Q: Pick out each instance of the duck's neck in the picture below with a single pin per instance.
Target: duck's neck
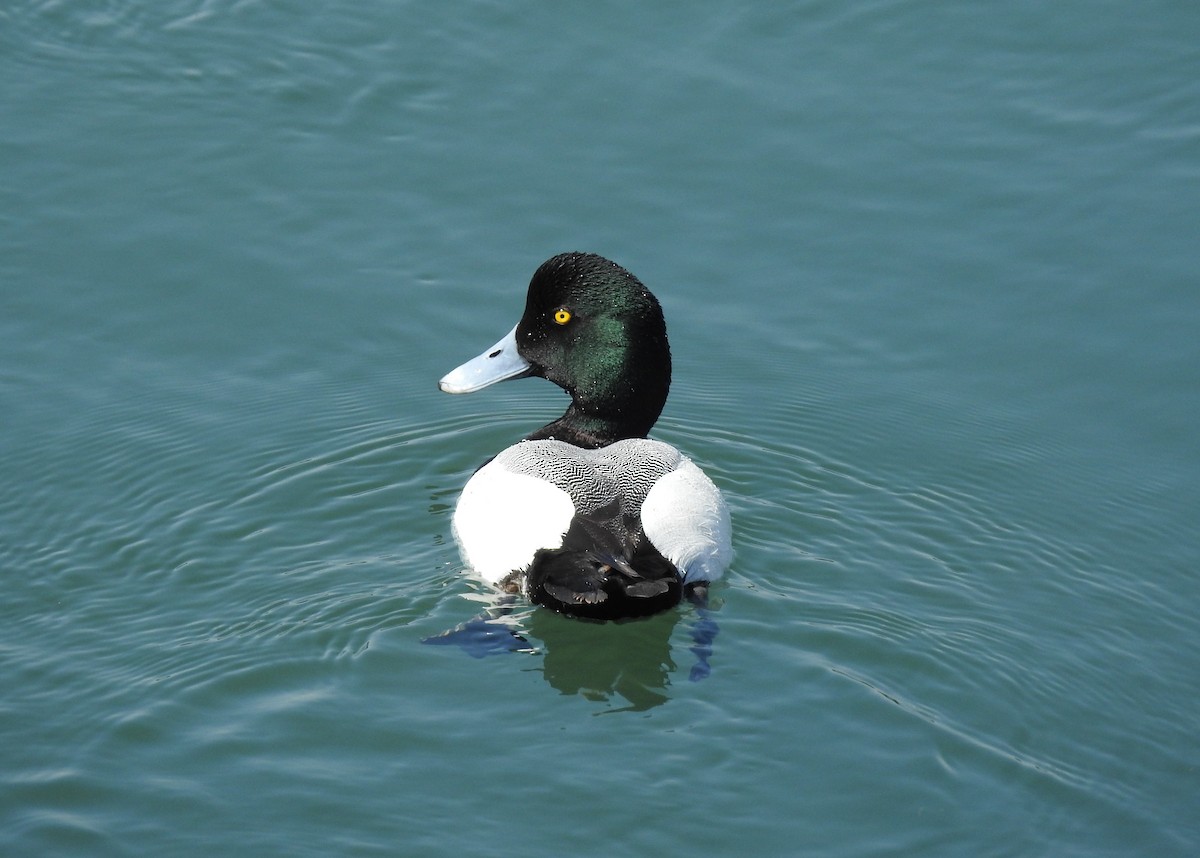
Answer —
(587, 431)
(624, 411)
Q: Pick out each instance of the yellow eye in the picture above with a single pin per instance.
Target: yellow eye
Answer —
(562, 315)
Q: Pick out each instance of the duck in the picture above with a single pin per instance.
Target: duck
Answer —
(587, 515)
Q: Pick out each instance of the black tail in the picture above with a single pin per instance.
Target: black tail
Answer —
(603, 572)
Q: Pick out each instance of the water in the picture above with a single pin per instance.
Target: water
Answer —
(930, 275)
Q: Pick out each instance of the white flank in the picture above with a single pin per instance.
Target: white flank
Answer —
(686, 519)
(503, 518)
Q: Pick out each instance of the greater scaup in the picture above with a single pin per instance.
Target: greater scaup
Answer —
(586, 515)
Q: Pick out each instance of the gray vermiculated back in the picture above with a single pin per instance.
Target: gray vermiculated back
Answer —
(594, 478)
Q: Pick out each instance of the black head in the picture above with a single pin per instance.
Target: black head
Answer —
(593, 329)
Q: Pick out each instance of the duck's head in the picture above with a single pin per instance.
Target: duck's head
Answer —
(593, 329)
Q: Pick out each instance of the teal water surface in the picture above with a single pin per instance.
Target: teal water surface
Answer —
(930, 277)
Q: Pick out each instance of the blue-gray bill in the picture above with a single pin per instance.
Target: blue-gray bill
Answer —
(499, 363)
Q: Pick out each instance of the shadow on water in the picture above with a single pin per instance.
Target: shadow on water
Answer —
(595, 660)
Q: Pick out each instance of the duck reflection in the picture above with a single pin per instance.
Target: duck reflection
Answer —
(630, 659)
